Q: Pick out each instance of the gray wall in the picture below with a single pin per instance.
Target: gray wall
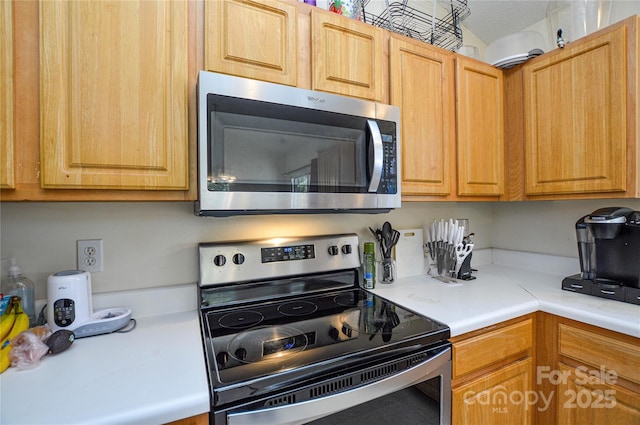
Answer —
(154, 244)
(544, 226)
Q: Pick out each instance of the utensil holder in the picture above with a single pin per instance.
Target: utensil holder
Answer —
(386, 270)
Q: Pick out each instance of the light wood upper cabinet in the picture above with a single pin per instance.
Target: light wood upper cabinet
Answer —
(480, 128)
(113, 94)
(452, 123)
(7, 178)
(580, 112)
(347, 56)
(422, 86)
(252, 39)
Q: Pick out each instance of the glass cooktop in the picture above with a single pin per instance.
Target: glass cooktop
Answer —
(292, 334)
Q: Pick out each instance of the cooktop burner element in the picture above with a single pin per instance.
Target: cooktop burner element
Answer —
(297, 308)
(240, 319)
(346, 300)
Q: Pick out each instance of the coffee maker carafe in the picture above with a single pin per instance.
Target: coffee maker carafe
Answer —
(609, 251)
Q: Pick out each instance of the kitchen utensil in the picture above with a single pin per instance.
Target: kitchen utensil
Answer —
(443, 238)
(387, 239)
(387, 235)
(409, 253)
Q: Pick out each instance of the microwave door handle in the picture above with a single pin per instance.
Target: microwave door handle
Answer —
(376, 137)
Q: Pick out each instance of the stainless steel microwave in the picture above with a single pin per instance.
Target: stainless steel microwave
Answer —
(265, 148)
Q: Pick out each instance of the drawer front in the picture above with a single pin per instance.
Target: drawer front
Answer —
(483, 350)
(597, 350)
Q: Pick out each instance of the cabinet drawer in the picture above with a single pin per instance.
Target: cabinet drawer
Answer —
(483, 350)
(598, 350)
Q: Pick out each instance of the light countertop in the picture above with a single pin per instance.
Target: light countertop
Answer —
(510, 284)
(156, 373)
(151, 375)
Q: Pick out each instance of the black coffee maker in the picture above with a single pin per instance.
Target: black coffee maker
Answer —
(609, 250)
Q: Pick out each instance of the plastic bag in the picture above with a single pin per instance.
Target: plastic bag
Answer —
(28, 347)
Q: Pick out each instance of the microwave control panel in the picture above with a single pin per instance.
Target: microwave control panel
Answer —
(389, 178)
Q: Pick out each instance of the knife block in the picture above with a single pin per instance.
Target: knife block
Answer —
(465, 269)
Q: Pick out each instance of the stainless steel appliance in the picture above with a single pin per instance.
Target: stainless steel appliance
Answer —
(290, 337)
(609, 251)
(268, 148)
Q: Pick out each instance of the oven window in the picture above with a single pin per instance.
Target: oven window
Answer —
(260, 147)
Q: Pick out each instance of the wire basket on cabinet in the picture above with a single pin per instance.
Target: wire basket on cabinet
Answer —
(399, 17)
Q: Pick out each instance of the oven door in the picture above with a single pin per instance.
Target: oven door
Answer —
(266, 148)
(394, 396)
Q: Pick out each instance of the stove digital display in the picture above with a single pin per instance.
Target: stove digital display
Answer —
(288, 253)
(288, 343)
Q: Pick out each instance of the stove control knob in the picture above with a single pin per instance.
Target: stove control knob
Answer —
(219, 260)
(241, 353)
(222, 359)
(238, 259)
(333, 250)
(334, 334)
(346, 249)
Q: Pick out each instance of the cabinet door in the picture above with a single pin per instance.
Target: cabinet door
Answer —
(252, 39)
(422, 86)
(113, 94)
(480, 124)
(347, 56)
(583, 399)
(497, 398)
(576, 118)
(7, 178)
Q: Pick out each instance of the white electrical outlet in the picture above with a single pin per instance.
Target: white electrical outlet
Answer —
(90, 255)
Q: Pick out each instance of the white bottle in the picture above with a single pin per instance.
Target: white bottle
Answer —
(17, 284)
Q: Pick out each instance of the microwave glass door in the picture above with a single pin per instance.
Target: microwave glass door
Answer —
(258, 146)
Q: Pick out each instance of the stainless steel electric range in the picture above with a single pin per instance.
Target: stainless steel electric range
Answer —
(290, 337)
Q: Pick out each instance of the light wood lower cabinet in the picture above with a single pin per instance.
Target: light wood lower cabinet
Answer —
(499, 397)
(202, 419)
(592, 375)
(493, 374)
(584, 399)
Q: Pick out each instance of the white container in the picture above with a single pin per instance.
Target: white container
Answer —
(514, 49)
(68, 299)
(69, 306)
(577, 18)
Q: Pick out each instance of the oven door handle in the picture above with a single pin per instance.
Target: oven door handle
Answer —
(376, 138)
(307, 411)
